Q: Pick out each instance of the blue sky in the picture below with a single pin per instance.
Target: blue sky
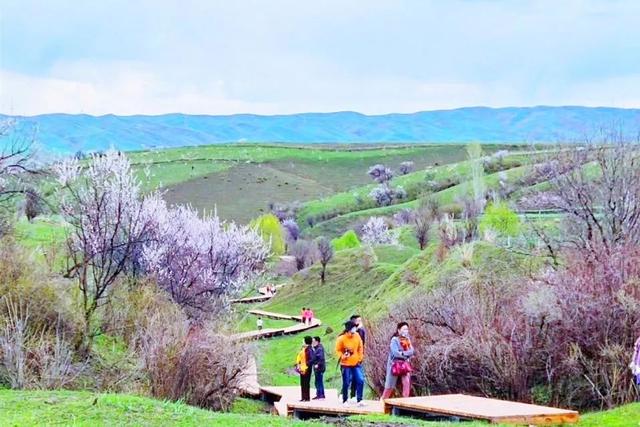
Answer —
(289, 56)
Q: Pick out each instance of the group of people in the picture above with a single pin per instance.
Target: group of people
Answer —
(270, 290)
(306, 315)
(350, 349)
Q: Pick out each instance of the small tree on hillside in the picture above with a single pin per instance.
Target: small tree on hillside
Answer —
(380, 174)
(269, 227)
(32, 204)
(406, 167)
(500, 218)
(377, 232)
(421, 226)
(292, 230)
(325, 254)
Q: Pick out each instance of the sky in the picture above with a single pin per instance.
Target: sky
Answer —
(292, 56)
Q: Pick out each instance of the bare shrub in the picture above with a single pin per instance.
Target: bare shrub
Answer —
(448, 234)
(50, 299)
(422, 225)
(196, 365)
(403, 217)
(33, 357)
(564, 338)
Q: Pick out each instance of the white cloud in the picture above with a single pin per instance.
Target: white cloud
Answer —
(119, 88)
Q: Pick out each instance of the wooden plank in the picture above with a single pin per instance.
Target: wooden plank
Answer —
(272, 315)
(283, 395)
(335, 408)
(481, 408)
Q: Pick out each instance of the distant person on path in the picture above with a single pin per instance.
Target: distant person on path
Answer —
(259, 323)
(303, 367)
(398, 365)
(303, 315)
(357, 319)
(319, 366)
(310, 316)
(350, 353)
(635, 362)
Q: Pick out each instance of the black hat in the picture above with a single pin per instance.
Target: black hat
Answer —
(348, 325)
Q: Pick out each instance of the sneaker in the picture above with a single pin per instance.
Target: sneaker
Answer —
(318, 398)
(346, 403)
(361, 403)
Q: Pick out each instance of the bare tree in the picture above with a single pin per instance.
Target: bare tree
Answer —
(421, 227)
(597, 187)
(325, 253)
(15, 159)
(305, 253)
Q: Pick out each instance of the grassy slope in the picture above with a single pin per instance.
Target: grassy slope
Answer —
(174, 165)
(241, 179)
(340, 224)
(358, 198)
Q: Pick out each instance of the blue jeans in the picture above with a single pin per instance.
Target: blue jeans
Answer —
(319, 384)
(352, 374)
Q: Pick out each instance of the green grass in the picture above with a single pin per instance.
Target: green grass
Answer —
(83, 408)
(40, 233)
(624, 416)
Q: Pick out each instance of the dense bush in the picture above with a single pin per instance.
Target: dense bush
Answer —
(270, 229)
(347, 241)
(563, 339)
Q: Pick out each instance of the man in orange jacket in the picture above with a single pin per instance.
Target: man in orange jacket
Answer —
(350, 352)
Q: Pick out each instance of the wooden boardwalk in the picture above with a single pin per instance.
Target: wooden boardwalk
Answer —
(464, 407)
(315, 408)
(275, 332)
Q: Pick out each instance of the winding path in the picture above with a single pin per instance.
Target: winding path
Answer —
(272, 332)
(249, 383)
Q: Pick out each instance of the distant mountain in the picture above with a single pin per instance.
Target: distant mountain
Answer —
(66, 133)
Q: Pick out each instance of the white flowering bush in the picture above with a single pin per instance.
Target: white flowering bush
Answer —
(377, 232)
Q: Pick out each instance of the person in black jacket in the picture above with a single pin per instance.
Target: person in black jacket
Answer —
(319, 366)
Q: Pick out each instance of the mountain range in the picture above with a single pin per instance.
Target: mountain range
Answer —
(68, 133)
